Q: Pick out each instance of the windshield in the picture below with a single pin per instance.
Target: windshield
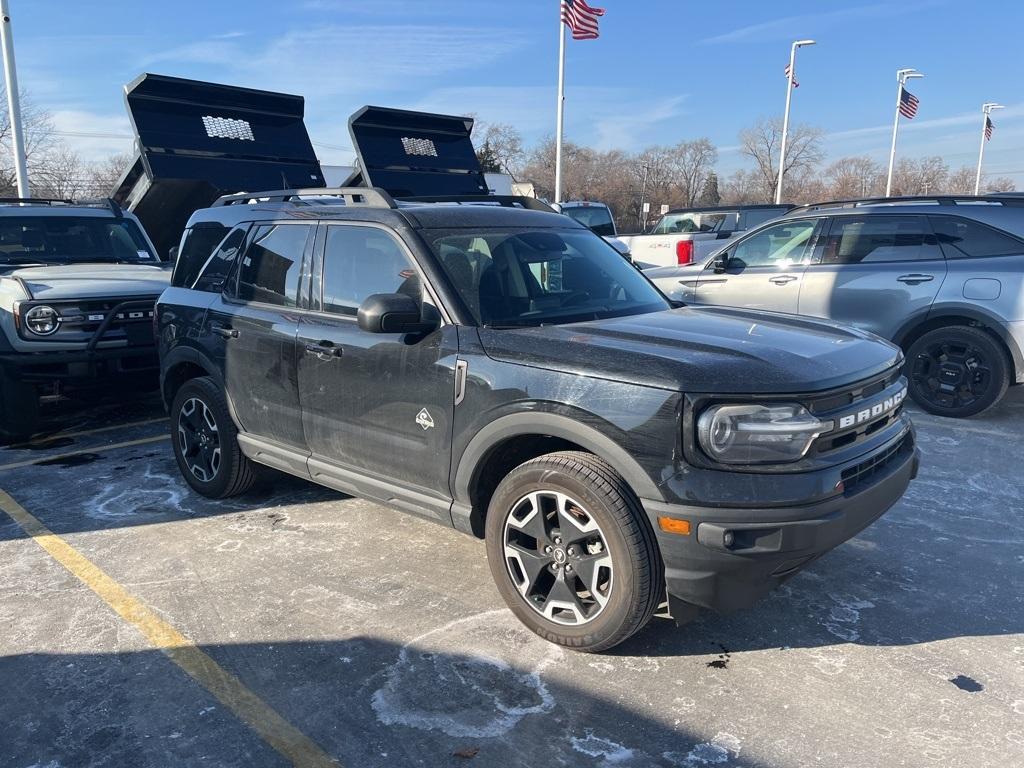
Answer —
(676, 223)
(71, 240)
(519, 277)
(596, 218)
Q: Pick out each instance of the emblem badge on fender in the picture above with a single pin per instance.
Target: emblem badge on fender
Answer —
(424, 419)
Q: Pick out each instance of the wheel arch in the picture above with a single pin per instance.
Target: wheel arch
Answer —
(946, 315)
(511, 440)
(181, 365)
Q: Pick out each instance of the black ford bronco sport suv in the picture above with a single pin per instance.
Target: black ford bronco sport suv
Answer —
(504, 371)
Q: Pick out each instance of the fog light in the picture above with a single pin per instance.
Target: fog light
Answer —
(728, 538)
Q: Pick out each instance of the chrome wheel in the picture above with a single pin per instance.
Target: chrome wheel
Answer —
(557, 557)
(199, 439)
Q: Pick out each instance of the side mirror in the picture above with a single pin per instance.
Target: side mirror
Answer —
(392, 313)
(172, 254)
(720, 263)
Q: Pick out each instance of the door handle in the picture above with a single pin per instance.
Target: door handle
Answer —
(325, 349)
(782, 279)
(225, 332)
(915, 279)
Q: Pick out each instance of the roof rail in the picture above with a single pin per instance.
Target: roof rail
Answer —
(506, 201)
(35, 201)
(370, 197)
(911, 199)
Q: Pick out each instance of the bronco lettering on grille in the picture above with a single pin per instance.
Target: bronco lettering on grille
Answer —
(867, 414)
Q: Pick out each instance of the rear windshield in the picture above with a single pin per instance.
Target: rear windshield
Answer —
(518, 277)
(71, 240)
(684, 223)
(597, 218)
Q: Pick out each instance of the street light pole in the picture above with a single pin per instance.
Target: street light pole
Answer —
(785, 117)
(643, 194)
(13, 105)
(902, 75)
(986, 109)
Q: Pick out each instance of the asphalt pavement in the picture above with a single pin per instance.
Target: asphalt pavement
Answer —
(143, 625)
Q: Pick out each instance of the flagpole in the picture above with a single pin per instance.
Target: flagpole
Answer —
(986, 110)
(902, 75)
(13, 101)
(561, 106)
(785, 117)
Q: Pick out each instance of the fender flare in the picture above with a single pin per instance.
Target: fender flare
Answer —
(190, 355)
(553, 425)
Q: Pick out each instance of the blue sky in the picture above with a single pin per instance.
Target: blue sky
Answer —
(662, 71)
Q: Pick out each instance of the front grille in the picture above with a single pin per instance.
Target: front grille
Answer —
(856, 477)
(81, 320)
(854, 394)
(866, 394)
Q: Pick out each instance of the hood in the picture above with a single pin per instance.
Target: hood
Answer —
(702, 350)
(89, 281)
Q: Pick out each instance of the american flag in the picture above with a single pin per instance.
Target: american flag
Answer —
(581, 19)
(989, 127)
(908, 104)
(795, 83)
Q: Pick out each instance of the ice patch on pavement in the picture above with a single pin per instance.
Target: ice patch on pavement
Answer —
(715, 752)
(156, 493)
(476, 677)
(845, 615)
(594, 746)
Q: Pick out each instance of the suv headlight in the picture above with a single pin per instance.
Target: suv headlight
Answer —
(42, 320)
(758, 434)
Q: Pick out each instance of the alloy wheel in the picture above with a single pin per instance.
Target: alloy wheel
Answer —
(951, 374)
(199, 439)
(557, 557)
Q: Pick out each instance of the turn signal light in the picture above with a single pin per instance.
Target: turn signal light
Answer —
(672, 525)
(684, 251)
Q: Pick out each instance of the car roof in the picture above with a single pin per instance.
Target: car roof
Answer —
(13, 209)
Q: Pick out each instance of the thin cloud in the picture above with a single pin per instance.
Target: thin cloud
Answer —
(785, 26)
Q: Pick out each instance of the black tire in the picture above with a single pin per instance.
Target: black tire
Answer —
(19, 409)
(635, 579)
(233, 473)
(957, 371)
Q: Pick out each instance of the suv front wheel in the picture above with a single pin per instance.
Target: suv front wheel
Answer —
(206, 442)
(572, 552)
(958, 371)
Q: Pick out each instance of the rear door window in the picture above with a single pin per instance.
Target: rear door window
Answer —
(867, 239)
(271, 268)
(961, 238)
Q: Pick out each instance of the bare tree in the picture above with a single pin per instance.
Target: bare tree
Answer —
(1000, 184)
(60, 173)
(923, 176)
(852, 177)
(39, 140)
(689, 163)
(504, 145)
(104, 174)
(762, 141)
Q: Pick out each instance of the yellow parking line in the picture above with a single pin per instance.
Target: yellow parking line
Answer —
(60, 435)
(80, 451)
(284, 737)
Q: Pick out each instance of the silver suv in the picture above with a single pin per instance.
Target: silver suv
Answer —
(943, 277)
(78, 284)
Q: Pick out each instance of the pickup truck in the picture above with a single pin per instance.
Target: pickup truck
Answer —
(689, 234)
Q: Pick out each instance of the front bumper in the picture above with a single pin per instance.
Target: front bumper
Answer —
(769, 544)
(74, 366)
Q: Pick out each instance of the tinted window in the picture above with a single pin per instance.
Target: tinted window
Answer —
(360, 261)
(272, 264)
(759, 216)
(518, 277)
(684, 223)
(856, 239)
(961, 238)
(775, 246)
(597, 218)
(71, 239)
(196, 248)
(218, 266)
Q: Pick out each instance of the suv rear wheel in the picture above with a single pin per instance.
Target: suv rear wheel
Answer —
(572, 553)
(206, 442)
(958, 371)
